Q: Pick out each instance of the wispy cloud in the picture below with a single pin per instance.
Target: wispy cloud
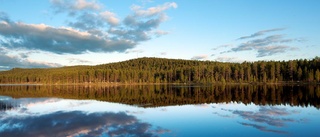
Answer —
(21, 61)
(72, 6)
(271, 50)
(78, 61)
(159, 54)
(159, 33)
(153, 10)
(163, 53)
(134, 51)
(261, 33)
(227, 59)
(268, 46)
(222, 46)
(263, 43)
(199, 57)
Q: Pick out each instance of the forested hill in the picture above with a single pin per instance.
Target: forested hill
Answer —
(160, 70)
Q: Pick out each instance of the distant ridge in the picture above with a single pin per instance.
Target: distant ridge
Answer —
(162, 70)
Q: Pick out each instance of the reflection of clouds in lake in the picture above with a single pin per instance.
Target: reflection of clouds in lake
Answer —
(262, 128)
(76, 104)
(270, 115)
(29, 102)
(273, 111)
(161, 130)
(77, 123)
(164, 109)
(23, 110)
(36, 106)
(222, 115)
(134, 112)
(22, 105)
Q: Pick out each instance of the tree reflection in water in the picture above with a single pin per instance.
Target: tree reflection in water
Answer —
(166, 95)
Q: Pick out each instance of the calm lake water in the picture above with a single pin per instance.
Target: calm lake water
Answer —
(166, 110)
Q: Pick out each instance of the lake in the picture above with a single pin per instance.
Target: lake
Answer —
(160, 110)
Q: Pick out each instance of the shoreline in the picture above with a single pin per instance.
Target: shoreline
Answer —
(137, 84)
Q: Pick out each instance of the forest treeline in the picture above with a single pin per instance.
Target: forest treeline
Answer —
(167, 95)
(160, 70)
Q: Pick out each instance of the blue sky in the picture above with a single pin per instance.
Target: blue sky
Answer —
(53, 33)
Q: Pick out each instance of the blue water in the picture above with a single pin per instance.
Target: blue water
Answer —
(67, 117)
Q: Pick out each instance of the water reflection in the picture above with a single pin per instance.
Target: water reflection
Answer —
(272, 116)
(166, 95)
(159, 111)
(57, 118)
(77, 123)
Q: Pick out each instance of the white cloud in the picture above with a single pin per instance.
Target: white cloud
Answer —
(222, 46)
(110, 17)
(159, 33)
(153, 10)
(83, 4)
(78, 61)
(72, 6)
(227, 59)
(260, 33)
(59, 40)
(271, 50)
(90, 29)
(267, 46)
(199, 57)
(9, 62)
(134, 51)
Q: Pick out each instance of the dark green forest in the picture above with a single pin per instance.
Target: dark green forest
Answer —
(160, 70)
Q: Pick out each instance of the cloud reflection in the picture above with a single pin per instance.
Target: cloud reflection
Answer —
(268, 115)
(221, 115)
(77, 123)
(265, 118)
(262, 128)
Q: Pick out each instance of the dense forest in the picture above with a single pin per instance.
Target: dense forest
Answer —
(159, 70)
(167, 95)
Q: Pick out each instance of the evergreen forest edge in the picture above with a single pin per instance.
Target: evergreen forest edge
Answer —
(161, 70)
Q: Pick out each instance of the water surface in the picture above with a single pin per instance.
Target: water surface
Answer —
(166, 110)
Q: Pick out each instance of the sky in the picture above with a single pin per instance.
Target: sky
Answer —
(56, 33)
